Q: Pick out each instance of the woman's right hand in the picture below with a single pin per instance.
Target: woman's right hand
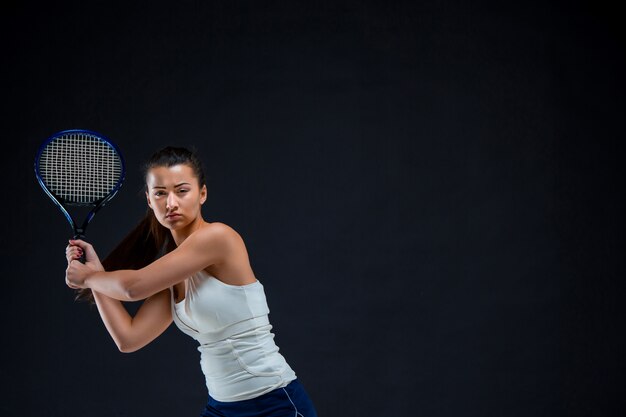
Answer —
(77, 247)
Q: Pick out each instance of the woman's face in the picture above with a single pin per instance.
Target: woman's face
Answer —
(174, 195)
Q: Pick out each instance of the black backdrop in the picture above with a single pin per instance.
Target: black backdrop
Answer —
(428, 191)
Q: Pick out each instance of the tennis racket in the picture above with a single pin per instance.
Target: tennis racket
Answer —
(81, 169)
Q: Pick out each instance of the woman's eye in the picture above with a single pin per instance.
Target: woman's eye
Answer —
(183, 190)
(159, 193)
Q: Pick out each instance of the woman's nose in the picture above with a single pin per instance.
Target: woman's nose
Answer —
(171, 201)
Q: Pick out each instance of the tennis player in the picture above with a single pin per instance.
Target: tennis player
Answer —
(197, 274)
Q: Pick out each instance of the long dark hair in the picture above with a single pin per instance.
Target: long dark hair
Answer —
(149, 239)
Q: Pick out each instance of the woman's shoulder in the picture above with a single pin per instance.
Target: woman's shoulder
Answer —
(220, 227)
(216, 230)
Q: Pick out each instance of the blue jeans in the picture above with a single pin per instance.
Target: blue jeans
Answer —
(290, 401)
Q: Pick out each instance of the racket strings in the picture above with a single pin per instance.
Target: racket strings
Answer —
(80, 168)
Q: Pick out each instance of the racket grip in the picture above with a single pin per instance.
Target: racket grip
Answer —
(80, 236)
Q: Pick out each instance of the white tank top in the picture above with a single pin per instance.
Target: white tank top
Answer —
(238, 355)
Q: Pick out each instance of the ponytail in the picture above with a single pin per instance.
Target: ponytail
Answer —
(145, 243)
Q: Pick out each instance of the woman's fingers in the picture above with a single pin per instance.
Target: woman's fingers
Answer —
(73, 252)
(75, 274)
(70, 275)
(80, 243)
(77, 248)
(86, 248)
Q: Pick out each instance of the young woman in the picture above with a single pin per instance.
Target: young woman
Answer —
(197, 274)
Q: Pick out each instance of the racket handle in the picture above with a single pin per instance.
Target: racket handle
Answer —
(80, 236)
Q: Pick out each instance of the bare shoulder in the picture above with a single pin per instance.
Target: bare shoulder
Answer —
(217, 231)
(223, 228)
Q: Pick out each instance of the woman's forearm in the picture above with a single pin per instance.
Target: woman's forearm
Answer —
(114, 284)
(115, 318)
(132, 333)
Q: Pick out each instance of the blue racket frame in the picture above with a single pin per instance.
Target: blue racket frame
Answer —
(79, 232)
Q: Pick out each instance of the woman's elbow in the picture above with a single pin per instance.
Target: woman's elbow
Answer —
(127, 287)
(131, 295)
(127, 348)
(126, 344)
(132, 292)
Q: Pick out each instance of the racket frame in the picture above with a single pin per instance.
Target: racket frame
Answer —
(79, 232)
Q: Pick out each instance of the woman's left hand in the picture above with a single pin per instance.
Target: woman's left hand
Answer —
(76, 274)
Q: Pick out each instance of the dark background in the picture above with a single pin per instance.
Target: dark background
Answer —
(429, 192)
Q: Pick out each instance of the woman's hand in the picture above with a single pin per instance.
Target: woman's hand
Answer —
(76, 272)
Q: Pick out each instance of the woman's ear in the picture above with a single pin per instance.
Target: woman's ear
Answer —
(148, 200)
(203, 194)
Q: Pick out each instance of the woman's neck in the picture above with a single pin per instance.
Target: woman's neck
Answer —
(181, 234)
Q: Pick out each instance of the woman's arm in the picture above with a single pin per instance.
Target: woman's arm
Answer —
(207, 246)
(129, 333)
(133, 333)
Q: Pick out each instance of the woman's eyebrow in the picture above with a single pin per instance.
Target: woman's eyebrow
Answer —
(177, 185)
